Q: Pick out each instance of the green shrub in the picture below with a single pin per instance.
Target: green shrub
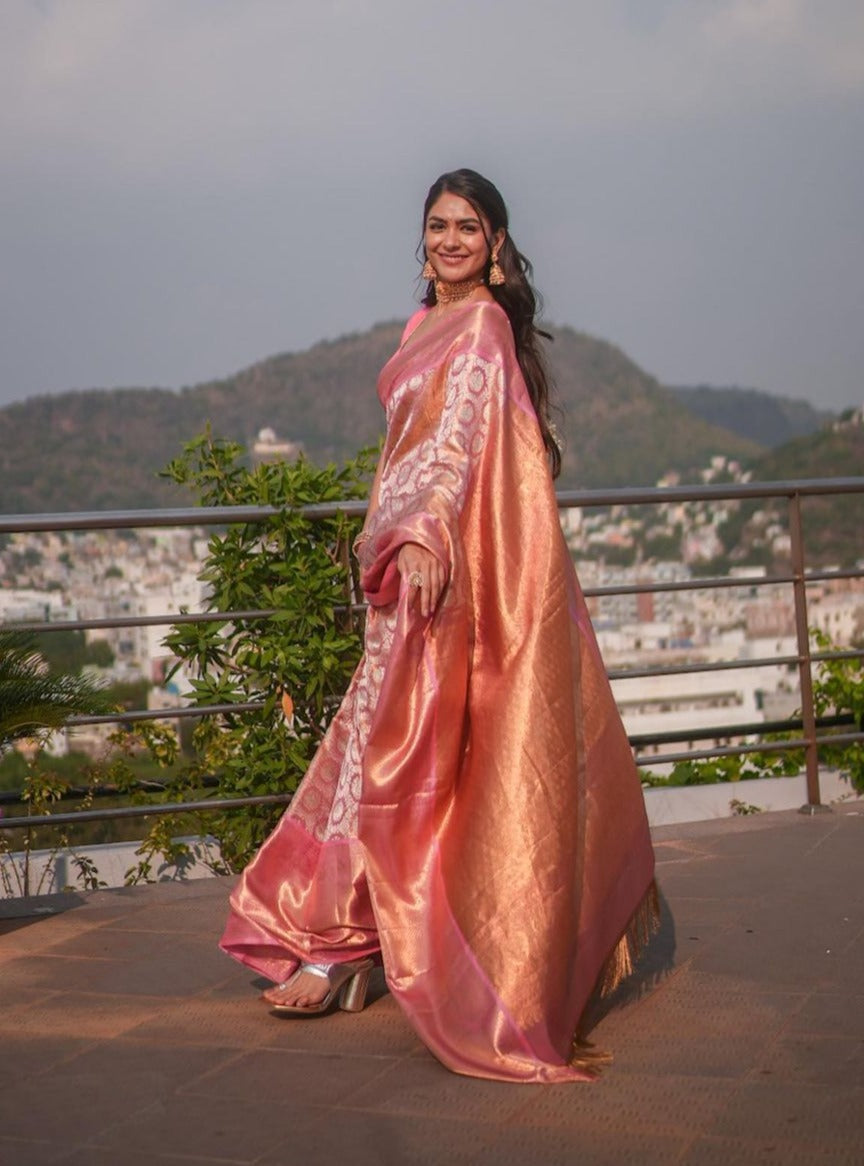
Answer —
(838, 688)
(733, 767)
(307, 651)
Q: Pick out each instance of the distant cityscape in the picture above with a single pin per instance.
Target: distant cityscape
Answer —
(101, 575)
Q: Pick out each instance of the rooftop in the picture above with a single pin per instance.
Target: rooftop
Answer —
(129, 1039)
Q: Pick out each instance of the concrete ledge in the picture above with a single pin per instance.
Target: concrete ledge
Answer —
(667, 805)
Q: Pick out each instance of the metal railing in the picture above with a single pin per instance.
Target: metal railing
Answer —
(798, 578)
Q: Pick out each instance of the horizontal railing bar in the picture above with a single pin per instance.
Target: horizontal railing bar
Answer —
(647, 759)
(178, 516)
(705, 732)
(716, 581)
(703, 584)
(78, 792)
(670, 737)
(815, 576)
(195, 617)
(839, 654)
(122, 812)
(169, 617)
(702, 733)
(228, 515)
(685, 669)
(729, 665)
(634, 495)
(171, 712)
(719, 751)
(164, 714)
(139, 621)
(644, 760)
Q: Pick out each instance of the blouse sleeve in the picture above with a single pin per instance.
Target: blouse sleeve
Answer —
(413, 322)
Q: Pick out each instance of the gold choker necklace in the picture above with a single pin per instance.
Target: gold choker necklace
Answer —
(450, 293)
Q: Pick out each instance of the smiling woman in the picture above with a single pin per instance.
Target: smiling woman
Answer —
(458, 244)
(477, 230)
(473, 819)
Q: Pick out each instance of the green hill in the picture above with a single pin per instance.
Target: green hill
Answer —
(622, 427)
(762, 417)
(102, 449)
(833, 525)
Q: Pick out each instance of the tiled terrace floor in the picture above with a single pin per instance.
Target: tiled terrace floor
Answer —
(129, 1040)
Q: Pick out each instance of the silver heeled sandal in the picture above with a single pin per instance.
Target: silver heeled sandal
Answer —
(348, 981)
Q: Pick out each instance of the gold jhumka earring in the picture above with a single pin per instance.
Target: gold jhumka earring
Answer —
(496, 275)
(428, 271)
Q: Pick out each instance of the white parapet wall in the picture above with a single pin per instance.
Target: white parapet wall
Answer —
(51, 871)
(670, 805)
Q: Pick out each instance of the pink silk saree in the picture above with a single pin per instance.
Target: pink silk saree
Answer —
(474, 816)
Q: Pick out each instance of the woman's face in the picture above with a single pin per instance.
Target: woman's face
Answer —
(454, 239)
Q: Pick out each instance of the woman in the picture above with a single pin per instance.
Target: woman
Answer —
(473, 817)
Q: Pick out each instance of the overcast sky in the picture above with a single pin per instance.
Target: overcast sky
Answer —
(187, 186)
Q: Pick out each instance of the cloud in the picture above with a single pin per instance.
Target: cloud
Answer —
(812, 46)
(189, 184)
(756, 19)
(143, 84)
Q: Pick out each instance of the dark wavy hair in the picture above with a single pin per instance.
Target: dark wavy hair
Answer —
(516, 295)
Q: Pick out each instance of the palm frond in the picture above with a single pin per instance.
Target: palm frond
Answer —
(32, 699)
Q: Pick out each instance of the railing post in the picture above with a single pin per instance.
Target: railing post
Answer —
(805, 675)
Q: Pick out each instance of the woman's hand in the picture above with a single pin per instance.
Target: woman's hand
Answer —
(424, 575)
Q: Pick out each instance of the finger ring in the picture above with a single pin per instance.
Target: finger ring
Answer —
(415, 579)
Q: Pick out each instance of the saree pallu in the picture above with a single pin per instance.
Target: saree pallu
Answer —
(474, 816)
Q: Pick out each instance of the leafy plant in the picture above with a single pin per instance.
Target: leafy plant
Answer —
(733, 767)
(743, 808)
(40, 792)
(294, 666)
(33, 702)
(838, 688)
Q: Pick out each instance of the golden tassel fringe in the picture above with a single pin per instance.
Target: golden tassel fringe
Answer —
(643, 924)
(587, 1057)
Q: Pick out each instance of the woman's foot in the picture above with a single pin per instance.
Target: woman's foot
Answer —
(302, 990)
(314, 988)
